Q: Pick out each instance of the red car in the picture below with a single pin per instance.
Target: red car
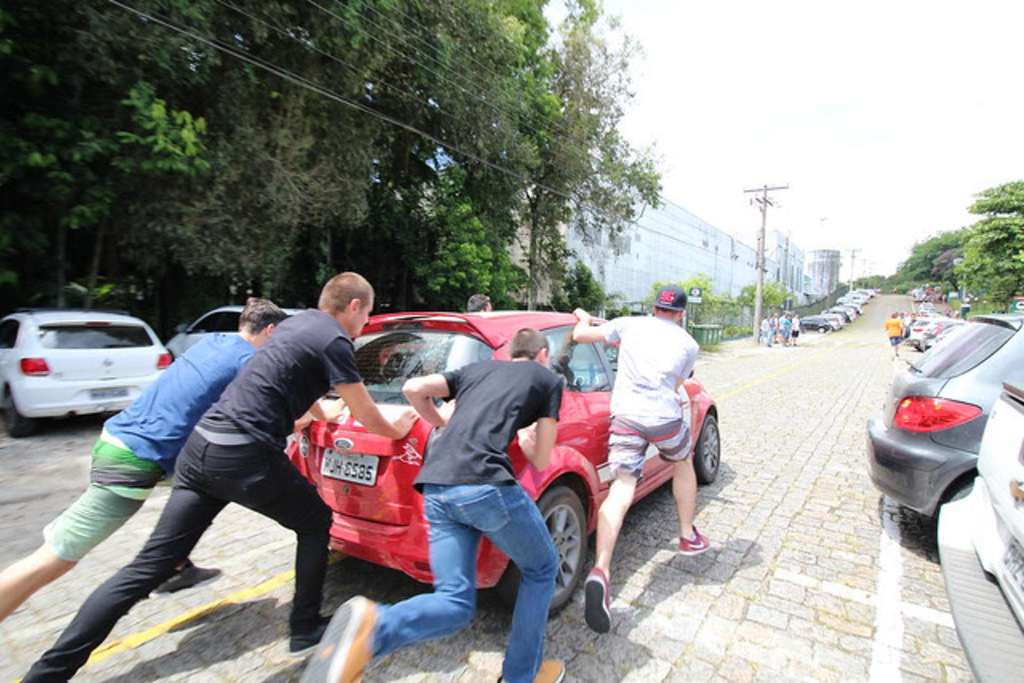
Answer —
(367, 479)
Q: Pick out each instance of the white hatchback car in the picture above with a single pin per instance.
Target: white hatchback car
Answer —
(223, 319)
(981, 547)
(56, 363)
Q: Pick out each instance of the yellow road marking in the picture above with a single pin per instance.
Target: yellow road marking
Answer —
(142, 637)
(765, 378)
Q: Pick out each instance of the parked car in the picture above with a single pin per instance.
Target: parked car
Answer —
(816, 323)
(932, 332)
(223, 319)
(917, 327)
(57, 363)
(923, 447)
(844, 314)
(838, 321)
(367, 480)
(981, 547)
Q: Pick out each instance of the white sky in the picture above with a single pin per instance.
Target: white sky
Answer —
(885, 118)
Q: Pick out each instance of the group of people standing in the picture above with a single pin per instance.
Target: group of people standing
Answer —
(218, 418)
(780, 329)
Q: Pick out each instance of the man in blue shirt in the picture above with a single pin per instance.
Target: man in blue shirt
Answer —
(136, 449)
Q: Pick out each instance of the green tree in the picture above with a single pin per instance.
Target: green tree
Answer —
(773, 295)
(994, 253)
(932, 261)
(584, 173)
(580, 290)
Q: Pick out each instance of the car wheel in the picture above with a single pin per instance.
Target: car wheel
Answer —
(567, 523)
(708, 453)
(822, 330)
(958, 490)
(17, 424)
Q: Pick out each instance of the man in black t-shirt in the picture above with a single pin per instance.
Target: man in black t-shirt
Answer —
(236, 455)
(470, 490)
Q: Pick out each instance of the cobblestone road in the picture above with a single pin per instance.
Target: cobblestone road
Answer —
(812, 575)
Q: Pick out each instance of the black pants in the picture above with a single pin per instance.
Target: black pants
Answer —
(207, 478)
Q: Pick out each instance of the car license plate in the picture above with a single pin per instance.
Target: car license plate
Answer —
(103, 394)
(1014, 562)
(354, 467)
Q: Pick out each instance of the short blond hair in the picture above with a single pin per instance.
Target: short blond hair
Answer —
(341, 289)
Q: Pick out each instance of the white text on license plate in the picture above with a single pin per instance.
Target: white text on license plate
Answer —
(354, 467)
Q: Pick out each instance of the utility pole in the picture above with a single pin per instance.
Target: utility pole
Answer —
(853, 260)
(764, 203)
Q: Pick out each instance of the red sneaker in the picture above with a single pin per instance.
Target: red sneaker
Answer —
(597, 607)
(693, 546)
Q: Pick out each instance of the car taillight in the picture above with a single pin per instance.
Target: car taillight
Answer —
(163, 361)
(35, 367)
(925, 414)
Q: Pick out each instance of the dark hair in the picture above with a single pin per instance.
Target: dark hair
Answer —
(477, 303)
(341, 289)
(527, 343)
(259, 314)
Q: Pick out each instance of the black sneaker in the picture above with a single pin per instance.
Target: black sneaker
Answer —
(187, 577)
(302, 643)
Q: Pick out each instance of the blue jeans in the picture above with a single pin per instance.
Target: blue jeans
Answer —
(458, 515)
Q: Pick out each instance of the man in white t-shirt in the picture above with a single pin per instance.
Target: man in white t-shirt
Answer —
(656, 356)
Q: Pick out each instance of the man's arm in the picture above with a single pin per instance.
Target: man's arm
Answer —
(538, 440)
(583, 332)
(363, 409)
(421, 391)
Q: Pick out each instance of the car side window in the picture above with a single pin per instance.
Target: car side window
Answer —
(579, 364)
(222, 321)
(8, 334)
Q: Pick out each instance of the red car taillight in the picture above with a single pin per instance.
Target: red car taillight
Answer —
(163, 361)
(35, 367)
(925, 414)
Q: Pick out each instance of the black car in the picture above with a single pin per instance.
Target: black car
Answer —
(817, 323)
(923, 447)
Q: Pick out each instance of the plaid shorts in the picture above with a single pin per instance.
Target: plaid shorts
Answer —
(628, 441)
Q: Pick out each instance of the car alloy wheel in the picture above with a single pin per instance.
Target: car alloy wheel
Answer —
(563, 513)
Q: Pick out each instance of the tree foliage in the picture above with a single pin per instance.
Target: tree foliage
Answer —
(993, 260)
(580, 290)
(206, 150)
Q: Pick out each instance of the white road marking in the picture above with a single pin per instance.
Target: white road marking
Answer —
(886, 651)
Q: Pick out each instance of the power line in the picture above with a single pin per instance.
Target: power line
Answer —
(301, 81)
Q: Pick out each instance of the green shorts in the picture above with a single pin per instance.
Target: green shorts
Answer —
(103, 508)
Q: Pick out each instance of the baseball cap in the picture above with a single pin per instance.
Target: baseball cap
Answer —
(671, 297)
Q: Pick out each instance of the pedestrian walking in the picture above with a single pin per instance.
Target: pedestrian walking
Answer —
(894, 331)
(656, 356)
(136, 449)
(794, 332)
(470, 490)
(236, 454)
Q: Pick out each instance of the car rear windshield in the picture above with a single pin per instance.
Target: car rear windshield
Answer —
(95, 336)
(386, 359)
(963, 351)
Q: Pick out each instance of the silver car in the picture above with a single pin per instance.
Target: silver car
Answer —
(922, 449)
(222, 319)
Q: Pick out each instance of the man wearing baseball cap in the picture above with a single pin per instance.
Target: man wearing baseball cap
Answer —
(655, 356)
